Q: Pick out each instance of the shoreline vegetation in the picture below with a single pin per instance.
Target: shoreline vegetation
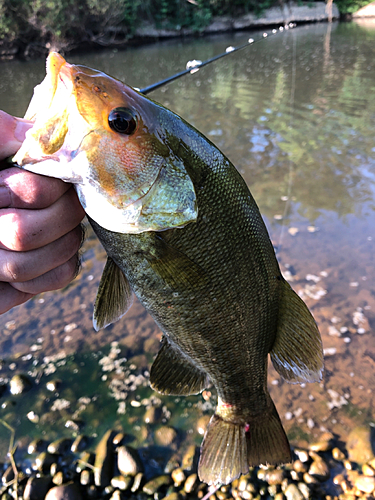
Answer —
(31, 28)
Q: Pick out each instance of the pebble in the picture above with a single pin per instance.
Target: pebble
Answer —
(319, 469)
(191, 483)
(360, 444)
(19, 384)
(337, 454)
(121, 482)
(128, 461)
(60, 446)
(165, 435)
(365, 483)
(152, 415)
(293, 493)
(307, 478)
(37, 487)
(69, 491)
(104, 460)
(155, 484)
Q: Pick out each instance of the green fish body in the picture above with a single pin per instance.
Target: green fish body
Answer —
(213, 285)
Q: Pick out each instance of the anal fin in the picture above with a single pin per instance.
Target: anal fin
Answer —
(114, 296)
(297, 353)
(173, 373)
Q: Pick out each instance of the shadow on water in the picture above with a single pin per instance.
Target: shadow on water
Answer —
(296, 115)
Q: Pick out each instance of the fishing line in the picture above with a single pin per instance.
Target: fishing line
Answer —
(194, 65)
(290, 170)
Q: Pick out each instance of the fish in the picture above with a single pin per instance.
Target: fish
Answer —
(182, 233)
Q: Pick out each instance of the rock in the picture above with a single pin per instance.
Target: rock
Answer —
(299, 466)
(104, 460)
(191, 483)
(368, 470)
(37, 446)
(165, 436)
(319, 469)
(178, 476)
(152, 415)
(137, 482)
(202, 424)
(44, 461)
(361, 444)
(121, 482)
(128, 461)
(293, 493)
(58, 478)
(69, 491)
(53, 385)
(118, 439)
(37, 487)
(365, 484)
(190, 458)
(60, 446)
(337, 454)
(80, 443)
(8, 475)
(275, 476)
(155, 484)
(19, 384)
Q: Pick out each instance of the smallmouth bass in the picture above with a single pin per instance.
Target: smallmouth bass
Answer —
(183, 232)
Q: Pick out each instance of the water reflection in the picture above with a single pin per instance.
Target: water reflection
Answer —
(296, 115)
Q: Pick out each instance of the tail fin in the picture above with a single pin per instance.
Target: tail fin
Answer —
(267, 443)
(229, 449)
(223, 452)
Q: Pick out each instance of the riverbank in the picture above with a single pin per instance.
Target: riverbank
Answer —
(39, 40)
(68, 469)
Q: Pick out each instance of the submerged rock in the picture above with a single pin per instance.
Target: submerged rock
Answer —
(361, 444)
(19, 384)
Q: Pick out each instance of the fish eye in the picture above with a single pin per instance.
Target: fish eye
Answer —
(122, 120)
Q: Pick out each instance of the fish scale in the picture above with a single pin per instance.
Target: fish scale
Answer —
(183, 232)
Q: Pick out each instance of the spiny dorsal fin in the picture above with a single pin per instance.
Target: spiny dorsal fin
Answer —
(297, 353)
(173, 373)
(114, 296)
(176, 268)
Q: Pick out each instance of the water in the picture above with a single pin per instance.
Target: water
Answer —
(296, 115)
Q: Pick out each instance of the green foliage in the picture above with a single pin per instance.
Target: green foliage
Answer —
(68, 23)
(350, 6)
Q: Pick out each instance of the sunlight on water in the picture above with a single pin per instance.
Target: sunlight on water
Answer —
(296, 115)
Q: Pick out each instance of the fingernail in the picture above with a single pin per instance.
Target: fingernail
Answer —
(4, 197)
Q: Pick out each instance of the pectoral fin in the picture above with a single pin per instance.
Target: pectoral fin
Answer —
(173, 373)
(297, 353)
(175, 268)
(114, 296)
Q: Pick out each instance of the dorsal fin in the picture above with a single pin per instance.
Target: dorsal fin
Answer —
(114, 296)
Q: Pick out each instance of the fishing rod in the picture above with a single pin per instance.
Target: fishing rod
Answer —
(194, 65)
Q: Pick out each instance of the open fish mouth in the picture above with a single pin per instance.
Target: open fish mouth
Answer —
(127, 179)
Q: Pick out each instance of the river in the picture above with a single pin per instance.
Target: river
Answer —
(296, 114)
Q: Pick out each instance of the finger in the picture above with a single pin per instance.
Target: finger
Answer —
(10, 297)
(57, 278)
(22, 189)
(25, 266)
(13, 132)
(24, 230)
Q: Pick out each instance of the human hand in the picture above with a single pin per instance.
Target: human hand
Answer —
(40, 232)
